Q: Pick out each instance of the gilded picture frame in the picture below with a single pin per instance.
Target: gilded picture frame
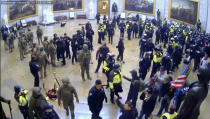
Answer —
(140, 7)
(67, 4)
(184, 11)
(103, 7)
(21, 10)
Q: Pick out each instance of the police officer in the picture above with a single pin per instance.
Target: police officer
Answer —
(34, 68)
(141, 29)
(21, 97)
(43, 61)
(80, 40)
(67, 43)
(171, 114)
(129, 30)
(135, 30)
(66, 94)
(52, 52)
(142, 44)
(108, 64)
(122, 28)
(89, 35)
(100, 33)
(110, 34)
(166, 63)
(98, 17)
(45, 44)
(101, 55)
(74, 46)
(144, 66)
(84, 60)
(39, 34)
(156, 62)
(30, 37)
(135, 86)
(121, 49)
(49, 112)
(115, 82)
(95, 99)
(157, 36)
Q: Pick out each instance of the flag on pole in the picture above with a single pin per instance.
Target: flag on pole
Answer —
(180, 81)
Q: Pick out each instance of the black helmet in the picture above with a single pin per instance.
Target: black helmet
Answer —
(134, 74)
(116, 65)
(17, 89)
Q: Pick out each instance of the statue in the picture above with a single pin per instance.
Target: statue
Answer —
(114, 7)
(197, 93)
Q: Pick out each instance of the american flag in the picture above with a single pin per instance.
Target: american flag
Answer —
(180, 81)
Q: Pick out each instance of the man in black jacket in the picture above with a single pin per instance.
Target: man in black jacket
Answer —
(95, 99)
(110, 34)
(127, 109)
(74, 46)
(121, 49)
(144, 66)
(148, 105)
(135, 86)
(34, 68)
(101, 55)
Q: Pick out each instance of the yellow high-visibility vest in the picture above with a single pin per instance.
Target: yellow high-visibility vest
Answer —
(116, 79)
(169, 116)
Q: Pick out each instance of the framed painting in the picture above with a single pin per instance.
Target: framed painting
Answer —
(67, 5)
(146, 7)
(184, 11)
(20, 9)
(103, 7)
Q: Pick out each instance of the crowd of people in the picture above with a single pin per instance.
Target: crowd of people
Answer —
(180, 43)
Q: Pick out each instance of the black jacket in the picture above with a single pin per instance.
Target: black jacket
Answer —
(127, 114)
(96, 98)
(34, 67)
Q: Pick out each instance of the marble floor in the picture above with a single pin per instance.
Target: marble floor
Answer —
(16, 72)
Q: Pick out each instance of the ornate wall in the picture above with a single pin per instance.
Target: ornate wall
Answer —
(162, 5)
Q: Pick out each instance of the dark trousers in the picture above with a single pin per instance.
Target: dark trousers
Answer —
(100, 61)
(141, 53)
(133, 97)
(146, 113)
(36, 79)
(122, 33)
(120, 56)
(135, 34)
(74, 56)
(63, 57)
(110, 39)
(157, 40)
(99, 38)
(95, 113)
(112, 93)
(196, 64)
(143, 75)
(129, 36)
(24, 111)
(58, 54)
(164, 105)
(98, 21)
(68, 54)
(155, 68)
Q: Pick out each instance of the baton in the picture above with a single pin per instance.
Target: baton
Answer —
(56, 79)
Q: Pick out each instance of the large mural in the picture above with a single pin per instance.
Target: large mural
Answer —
(20, 9)
(185, 11)
(67, 5)
(140, 6)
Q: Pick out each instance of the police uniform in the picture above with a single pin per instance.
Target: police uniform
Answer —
(22, 101)
(115, 83)
(144, 66)
(95, 101)
(156, 62)
(100, 34)
(169, 116)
